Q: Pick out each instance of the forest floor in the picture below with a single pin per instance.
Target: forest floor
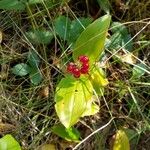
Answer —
(27, 103)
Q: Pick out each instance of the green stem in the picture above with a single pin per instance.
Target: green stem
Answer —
(33, 21)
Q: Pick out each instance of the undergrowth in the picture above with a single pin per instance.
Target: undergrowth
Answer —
(39, 39)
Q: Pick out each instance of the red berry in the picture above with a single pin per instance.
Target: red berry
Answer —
(83, 59)
(76, 72)
(85, 66)
(84, 70)
(70, 67)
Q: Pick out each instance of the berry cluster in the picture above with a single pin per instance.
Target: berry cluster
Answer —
(76, 70)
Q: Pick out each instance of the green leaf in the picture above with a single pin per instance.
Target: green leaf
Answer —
(138, 71)
(70, 30)
(33, 59)
(71, 99)
(70, 134)
(51, 4)
(120, 37)
(48, 3)
(39, 36)
(91, 108)
(98, 79)
(35, 1)
(35, 76)
(21, 69)
(76, 28)
(12, 4)
(133, 137)
(105, 5)
(118, 27)
(9, 143)
(62, 27)
(92, 39)
(121, 141)
(115, 41)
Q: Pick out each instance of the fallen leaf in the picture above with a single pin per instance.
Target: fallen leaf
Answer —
(44, 92)
(6, 128)
(128, 58)
(121, 141)
(47, 147)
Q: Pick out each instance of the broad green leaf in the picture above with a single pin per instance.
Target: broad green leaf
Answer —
(9, 143)
(138, 71)
(35, 76)
(70, 134)
(91, 108)
(21, 69)
(62, 27)
(121, 141)
(120, 37)
(71, 99)
(39, 36)
(98, 79)
(12, 4)
(33, 59)
(76, 28)
(92, 39)
(105, 5)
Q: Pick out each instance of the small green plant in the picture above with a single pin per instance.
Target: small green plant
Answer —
(70, 30)
(38, 38)
(30, 68)
(74, 95)
(9, 143)
(120, 38)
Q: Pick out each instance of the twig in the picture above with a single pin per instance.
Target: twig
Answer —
(101, 128)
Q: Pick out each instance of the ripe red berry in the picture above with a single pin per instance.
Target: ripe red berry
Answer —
(85, 66)
(84, 70)
(70, 67)
(76, 72)
(83, 59)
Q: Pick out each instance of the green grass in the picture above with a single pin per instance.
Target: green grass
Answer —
(27, 110)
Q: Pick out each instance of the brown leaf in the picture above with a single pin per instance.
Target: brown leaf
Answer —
(6, 128)
(44, 92)
(47, 147)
